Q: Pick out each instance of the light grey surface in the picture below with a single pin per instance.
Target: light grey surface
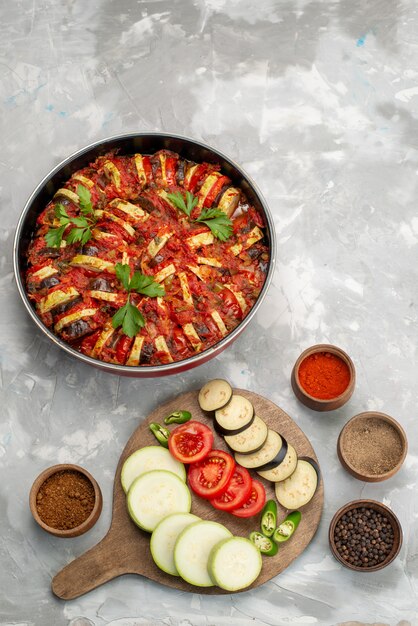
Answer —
(318, 101)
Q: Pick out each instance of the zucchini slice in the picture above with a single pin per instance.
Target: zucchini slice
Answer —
(215, 395)
(234, 563)
(300, 487)
(92, 263)
(235, 417)
(147, 459)
(249, 440)
(270, 451)
(57, 298)
(192, 549)
(284, 469)
(154, 495)
(164, 537)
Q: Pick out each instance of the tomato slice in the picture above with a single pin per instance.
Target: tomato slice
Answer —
(190, 442)
(231, 304)
(210, 478)
(255, 502)
(237, 492)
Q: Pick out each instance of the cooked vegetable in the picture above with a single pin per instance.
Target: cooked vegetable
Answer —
(192, 550)
(269, 518)
(234, 563)
(160, 433)
(190, 442)
(300, 487)
(154, 495)
(249, 440)
(264, 544)
(286, 529)
(270, 452)
(147, 459)
(255, 502)
(235, 417)
(237, 491)
(215, 395)
(284, 469)
(178, 417)
(210, 477)
(164, 537)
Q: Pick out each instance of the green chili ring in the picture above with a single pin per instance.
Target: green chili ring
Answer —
(286, 529)
(160, 433)
(269, 518)
(263, 543)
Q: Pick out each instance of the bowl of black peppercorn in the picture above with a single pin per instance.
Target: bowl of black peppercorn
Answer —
(365, 535)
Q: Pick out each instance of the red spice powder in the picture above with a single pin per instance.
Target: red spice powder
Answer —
(324, 375)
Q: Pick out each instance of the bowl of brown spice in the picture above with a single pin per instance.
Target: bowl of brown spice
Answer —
(372, 446)
(65, 500)
(365, 535)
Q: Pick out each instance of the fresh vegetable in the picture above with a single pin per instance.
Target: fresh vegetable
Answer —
(300, 487)
(129, 316)
(178, 417)
(284, 469)
(164, 538)
(210, 477)
(249, 440)
(269, 518)
(214, 395)
(237, 491)
(270, 452)
(234, 563)
(192, 550)
(154, 495)
(190, 442)
(255, 502)
(147, 459)
(286, 529)
(235, 417)
(265, 544)
(160, 433)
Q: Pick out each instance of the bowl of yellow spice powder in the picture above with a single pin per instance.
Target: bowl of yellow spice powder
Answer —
(65, 500)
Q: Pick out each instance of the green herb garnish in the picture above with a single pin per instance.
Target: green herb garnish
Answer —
(128, 316)
(82, 232)
(218, 222)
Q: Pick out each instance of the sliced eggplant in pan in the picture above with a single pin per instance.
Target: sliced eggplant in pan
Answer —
(272, 453)
(284, 469)
(235, 417)
(300, 487)
(249, 440)
(215, 395)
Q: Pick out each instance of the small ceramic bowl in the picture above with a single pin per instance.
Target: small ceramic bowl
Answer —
(315, 403)
(384, 510)
(342, 447)
(91, 519)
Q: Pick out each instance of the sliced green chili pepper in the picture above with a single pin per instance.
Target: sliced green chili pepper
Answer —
(286, 529)
(264, 544)
(160, 433)
(178, 417)
(269, 518)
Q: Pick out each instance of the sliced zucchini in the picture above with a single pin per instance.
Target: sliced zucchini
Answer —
(68, 195)
(147, 459)
(235, 417)
(108, 296)
(92, 263)
(219, 322)
(184, 284)
(160, 276)
(300, 487)
(202, 239)
(272, 447)
(44, 272)
(158, 243)
(135, 354)
(164, 537)
(57, 298)
(192, 336)
(161, 346)
(284, 469)
(215, 395)
(112, 173)
(234, 563)
(192, 549)
(74, 317)
(107, 332)
(249, 440)
(229, 201)
(130, 209)
(156, 494)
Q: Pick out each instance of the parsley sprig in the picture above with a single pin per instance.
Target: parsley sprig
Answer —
(82, 225)
(218, 222)
(128, 316)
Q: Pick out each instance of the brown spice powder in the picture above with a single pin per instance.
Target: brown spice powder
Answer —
(65, 500)
(372, 446)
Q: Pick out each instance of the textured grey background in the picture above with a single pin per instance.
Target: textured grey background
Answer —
(319, 102)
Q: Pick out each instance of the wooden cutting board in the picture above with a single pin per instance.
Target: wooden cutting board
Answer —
(125, 548)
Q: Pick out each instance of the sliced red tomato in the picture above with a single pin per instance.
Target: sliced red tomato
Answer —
(122, 348)
(190, 442)
(231, 303)
(215, 189)
(89, 342)
(170, 170)
(181, 343)
(255, 502)
(237, 491)
(210, 478)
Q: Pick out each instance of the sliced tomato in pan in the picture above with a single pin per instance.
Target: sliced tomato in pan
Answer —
(237, 491)
(190, 442)
(254, 503)
(210, 478)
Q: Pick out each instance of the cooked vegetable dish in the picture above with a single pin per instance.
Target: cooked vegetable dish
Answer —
(146, 260)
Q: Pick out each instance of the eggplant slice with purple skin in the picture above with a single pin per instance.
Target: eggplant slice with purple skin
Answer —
(235, 417)
(215, 395)
(273, 452)
(299, 489)
(281, 470)
(249, 440)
